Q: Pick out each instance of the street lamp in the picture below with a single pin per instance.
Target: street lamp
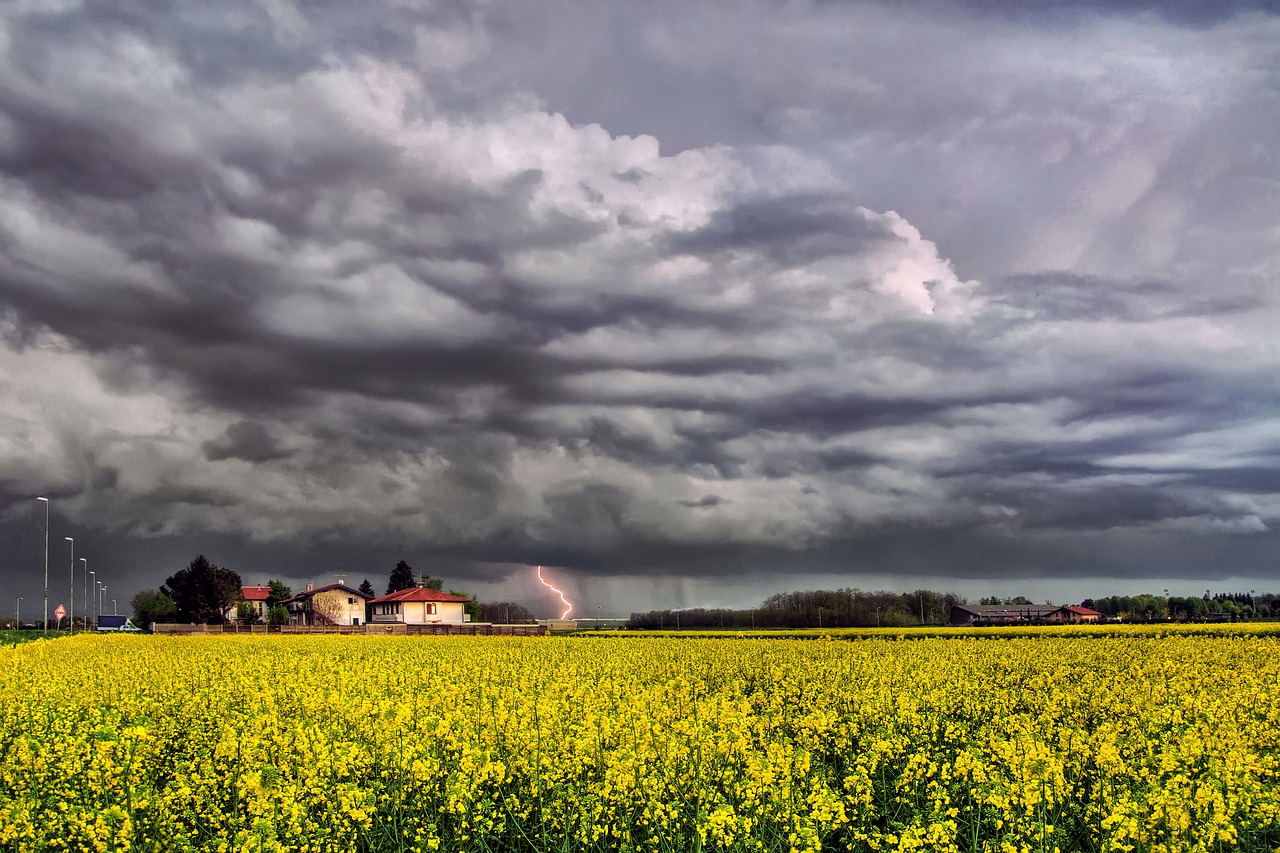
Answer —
(93, 582)
(114, 609)
(102, 591)
(46, 563)
(71, 614)
(86, 593)
(17, 617)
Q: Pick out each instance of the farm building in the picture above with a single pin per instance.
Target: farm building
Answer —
(255, 595)
(987, 614)
(1074, 613)
(967, 614)
(333, 604)
(418, 606)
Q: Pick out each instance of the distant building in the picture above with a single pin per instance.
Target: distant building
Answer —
(255, 595)
(334, 604)
(1074, 613)
(967, 614)
(418, 606)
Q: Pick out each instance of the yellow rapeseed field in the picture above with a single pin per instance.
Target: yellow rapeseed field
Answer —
(359, 743)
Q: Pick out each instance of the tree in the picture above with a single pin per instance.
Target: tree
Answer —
(325, 611)
(278, 614)
(366, 588)
(505, 612)
(401, 578)
(247, 612)
(152, 605)
(279, 592)
(203, 592)
(429, 582)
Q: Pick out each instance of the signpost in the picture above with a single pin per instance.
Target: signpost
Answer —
(58, 613)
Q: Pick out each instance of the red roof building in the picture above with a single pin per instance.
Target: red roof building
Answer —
(1075, 613)
(418, 606)
(255, 593)
(331, 604)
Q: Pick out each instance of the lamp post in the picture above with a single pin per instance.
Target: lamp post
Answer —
(46, 563)
(114, 609)
(71, 613)
(93, 608)
(101, 593)
(17, 616)
(86, 593)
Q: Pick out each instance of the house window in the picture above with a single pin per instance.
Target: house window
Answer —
(351, 601)
(431, 608)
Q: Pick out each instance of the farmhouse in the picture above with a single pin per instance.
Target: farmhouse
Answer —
(334, 604)
(254, 595)
(418, 606)
(1007, 614)
(1074, 613)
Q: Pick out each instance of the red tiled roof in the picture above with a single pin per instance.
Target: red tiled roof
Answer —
(1080, 611)
(255, 593)
(418, 593)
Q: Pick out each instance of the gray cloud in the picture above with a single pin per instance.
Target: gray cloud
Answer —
(960, 294)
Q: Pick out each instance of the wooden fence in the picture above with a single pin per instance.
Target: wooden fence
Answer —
(463, 629)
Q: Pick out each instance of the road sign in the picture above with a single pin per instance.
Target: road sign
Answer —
(59, 612)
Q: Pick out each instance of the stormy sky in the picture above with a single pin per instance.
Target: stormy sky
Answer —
(694, 302)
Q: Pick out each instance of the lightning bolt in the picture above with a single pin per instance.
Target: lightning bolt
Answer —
(568, 605)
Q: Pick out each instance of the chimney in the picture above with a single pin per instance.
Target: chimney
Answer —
(310, 586)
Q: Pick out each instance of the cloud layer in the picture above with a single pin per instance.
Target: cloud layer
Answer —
(638, 291)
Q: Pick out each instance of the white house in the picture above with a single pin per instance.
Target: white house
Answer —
(418, 606)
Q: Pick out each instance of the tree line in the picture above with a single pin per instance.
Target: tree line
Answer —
(853, 608)
(820, 608)
(1161, 608)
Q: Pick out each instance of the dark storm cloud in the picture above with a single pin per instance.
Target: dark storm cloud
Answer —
(889, 297)
(245, 440)
(790, 230)
(704, 502)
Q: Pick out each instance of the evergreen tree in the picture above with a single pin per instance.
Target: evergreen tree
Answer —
(279, 592)
(203, 592)
(401, 578)
(429, 582)
(367, 588)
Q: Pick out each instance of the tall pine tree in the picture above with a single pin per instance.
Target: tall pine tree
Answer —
(401, 578)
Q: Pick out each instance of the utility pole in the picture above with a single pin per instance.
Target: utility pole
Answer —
(86, 593)
(46, 563)
(71, 602)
